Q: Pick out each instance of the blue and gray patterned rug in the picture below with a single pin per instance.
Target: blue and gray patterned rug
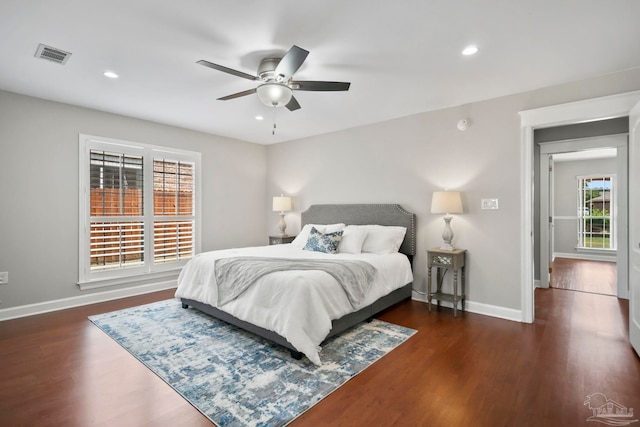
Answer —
(236, 378)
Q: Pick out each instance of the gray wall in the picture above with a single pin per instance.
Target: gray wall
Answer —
(402, 160)
(39, 190)
(406, 159)
(566, 199)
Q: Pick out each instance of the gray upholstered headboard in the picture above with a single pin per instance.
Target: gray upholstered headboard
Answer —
(382, 214)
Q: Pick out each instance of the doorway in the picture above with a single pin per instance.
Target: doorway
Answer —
(583, 243)
(583, 213)
(575, 112)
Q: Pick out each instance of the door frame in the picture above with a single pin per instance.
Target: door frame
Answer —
(606, 107)
(547, 150)
(545, 218)
(634, 230)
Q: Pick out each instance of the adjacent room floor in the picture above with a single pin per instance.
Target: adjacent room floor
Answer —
(584, 275)
(58, 369)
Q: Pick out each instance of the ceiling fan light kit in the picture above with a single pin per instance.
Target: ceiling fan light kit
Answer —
(274, 94)
(276, 80)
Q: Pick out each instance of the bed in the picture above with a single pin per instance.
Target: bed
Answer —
(292, 308)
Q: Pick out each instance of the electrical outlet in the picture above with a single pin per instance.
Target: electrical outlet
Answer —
(4, 278)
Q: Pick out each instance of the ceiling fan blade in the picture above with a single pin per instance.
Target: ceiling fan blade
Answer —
(320, 86)
(293, 105)
(227, 70)
(237, 95)
(291, 61)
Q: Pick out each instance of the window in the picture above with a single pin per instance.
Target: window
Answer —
(138, 209)
(596, 204)
(173, 210)
(116, 227)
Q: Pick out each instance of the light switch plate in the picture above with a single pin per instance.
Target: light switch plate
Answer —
(491, 204)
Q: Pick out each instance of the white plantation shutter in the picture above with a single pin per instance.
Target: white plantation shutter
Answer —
(172, 240)
(116, 210)
(138, 208)
(173, 192)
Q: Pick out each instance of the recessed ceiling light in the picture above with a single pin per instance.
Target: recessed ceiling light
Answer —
(469, 50)
(259, 118)
(111, 74)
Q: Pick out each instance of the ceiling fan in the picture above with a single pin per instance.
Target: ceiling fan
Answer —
(275, 76)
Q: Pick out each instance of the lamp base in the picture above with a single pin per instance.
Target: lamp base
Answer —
(447, 234)
(282, 225)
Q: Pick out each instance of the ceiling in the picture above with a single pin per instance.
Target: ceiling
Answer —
(401, 57)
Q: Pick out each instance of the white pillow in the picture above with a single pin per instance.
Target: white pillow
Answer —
(352, 240)
(301, 239)
(383, 239)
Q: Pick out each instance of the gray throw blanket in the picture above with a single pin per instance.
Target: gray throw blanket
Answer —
(237, 274)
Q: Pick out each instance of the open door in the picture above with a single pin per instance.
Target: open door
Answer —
(634, 227)
(546, 222)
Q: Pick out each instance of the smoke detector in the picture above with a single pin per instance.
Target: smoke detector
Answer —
(463, 124)
(52, 54)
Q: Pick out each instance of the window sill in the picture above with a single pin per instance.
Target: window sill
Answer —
(169, 275)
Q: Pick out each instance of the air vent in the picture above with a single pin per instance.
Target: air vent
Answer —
(52, 54)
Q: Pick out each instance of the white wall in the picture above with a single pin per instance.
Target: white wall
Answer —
(404, 160)
(39, 190)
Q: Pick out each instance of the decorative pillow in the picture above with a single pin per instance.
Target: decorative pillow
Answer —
(382, 239)
(352, 240)
(323, 242)
(301, 238)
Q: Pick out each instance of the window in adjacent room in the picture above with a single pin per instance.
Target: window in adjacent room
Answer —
(138, 209)
(596, 205)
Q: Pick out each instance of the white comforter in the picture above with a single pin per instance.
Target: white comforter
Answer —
(298, 305)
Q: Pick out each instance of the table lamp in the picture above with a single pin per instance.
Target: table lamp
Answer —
(282, 204)
(446, 202)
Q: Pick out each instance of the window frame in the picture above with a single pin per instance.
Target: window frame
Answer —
(581, 231)
(149, 269)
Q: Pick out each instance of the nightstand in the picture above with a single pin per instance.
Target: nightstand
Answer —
(279, 240)
(443, 260)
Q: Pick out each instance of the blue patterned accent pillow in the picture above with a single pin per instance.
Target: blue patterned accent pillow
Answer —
(320, 242)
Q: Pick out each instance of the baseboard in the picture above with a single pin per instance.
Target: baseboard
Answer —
(480, 308)
(61, 304)
(494, 311)
(585, 256)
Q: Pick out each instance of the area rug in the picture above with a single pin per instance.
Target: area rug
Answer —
(234, 377)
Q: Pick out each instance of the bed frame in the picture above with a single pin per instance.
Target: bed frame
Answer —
(354, 214)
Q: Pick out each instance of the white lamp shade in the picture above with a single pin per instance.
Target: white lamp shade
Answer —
(274, 94)
(282, 204)
(446, 202)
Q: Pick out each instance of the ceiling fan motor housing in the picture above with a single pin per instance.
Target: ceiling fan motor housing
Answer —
(266, 70)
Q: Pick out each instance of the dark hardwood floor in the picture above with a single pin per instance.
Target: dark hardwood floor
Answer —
(58, 369)
(584, 275)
